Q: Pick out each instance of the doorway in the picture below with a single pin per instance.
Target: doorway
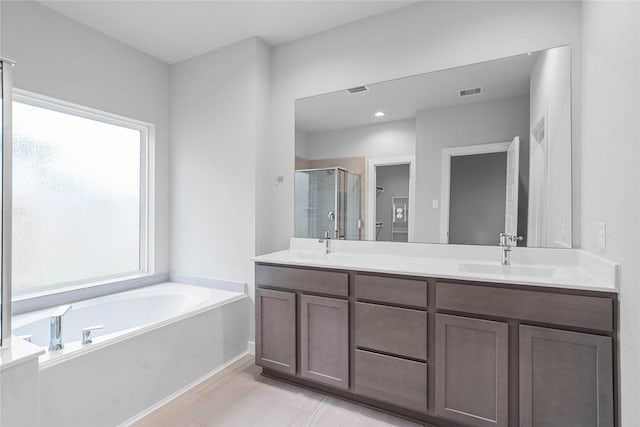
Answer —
(390, 199)
(392, 203)
(477, 198)
(479, 192)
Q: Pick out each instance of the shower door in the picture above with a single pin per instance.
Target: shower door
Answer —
(5, 208)
(316, 203)
(350, 221)
(327, 200)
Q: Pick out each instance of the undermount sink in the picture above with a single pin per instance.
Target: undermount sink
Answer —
(508, 270)
(309, 256)
(320, 257)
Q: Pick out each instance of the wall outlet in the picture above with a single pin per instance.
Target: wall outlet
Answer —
(435, 203)
(602, 236)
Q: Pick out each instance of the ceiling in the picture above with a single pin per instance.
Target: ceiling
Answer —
(401, 99)
(173, 31)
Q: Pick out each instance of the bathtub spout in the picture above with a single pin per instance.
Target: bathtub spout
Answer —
(55, 337)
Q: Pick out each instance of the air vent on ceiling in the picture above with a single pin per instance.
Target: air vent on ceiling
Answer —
(358, 89)
(472, 91)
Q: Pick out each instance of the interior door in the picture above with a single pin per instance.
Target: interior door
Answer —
(513, 174)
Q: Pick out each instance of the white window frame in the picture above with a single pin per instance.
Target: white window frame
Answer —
(147, 191)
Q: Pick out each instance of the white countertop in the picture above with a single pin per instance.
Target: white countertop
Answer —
(557, 268)
(19, 351)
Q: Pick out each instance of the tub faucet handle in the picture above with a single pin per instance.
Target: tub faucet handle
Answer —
(87, 338)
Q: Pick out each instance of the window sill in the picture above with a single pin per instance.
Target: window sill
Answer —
(65, 295)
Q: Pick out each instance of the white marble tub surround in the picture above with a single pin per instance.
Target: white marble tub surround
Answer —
(122, 315)
(19, 383)
(563, 268)
(157, 341)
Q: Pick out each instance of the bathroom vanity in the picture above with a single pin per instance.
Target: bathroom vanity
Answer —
(440, 348)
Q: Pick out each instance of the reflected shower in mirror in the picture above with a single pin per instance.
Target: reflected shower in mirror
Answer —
(454, 156)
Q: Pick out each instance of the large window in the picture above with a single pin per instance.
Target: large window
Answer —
(80, 195)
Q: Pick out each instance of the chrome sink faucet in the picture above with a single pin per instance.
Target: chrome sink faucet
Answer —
(506, 242)
(55, 322)
(326, 241)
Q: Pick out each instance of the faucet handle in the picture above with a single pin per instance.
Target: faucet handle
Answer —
(327, 235)
(506, 238)
(86, 333)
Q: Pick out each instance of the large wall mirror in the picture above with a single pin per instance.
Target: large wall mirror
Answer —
(454, 156)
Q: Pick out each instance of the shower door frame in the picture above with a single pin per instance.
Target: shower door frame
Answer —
(6, 66)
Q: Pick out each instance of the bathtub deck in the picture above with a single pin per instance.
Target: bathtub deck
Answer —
(240, 396)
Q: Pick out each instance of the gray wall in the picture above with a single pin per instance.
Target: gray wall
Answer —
(477, 203)
(59, 57)
(611, 167)
(478, 123)
(395, 181)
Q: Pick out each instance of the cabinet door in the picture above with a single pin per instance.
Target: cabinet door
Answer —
(324, 336)
(471, 370)
(276, 330)
(566, 379)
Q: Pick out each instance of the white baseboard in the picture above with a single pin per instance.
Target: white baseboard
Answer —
(183, 390)
(251, 348)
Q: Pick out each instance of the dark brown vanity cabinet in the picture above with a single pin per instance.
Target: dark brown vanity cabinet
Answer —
(472, 368)
(566, 378)
(324, 340)
(444, 352)
(276, 330)
(391, 340)
(302, 323)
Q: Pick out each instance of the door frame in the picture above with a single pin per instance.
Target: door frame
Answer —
(371, 192)
(445, 176)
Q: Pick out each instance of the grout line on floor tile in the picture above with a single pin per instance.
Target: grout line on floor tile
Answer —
(316, 410)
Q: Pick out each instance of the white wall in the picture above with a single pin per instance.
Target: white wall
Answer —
(551, 98)
(498, 120)
(388, 139)
(424, 37)
(218, 125)
(61, 58)
(611, 167)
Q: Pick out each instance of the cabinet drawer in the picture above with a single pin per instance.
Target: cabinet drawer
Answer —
(393, 380)
(393, 330)
(392, 290)
(571, 310)
(324, 282)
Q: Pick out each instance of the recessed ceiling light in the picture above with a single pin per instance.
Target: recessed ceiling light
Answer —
(379, 114)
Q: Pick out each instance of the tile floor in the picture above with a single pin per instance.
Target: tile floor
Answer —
(240, 396)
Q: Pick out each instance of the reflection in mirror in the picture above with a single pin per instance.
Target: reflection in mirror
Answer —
(454, 156)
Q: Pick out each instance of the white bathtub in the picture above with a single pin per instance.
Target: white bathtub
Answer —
(155, 341)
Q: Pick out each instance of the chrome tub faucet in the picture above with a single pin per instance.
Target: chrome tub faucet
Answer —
(506, 243)
(55, 323)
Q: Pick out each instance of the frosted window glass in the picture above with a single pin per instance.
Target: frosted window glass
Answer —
(76, 199)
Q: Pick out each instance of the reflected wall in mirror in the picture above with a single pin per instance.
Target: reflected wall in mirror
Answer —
(454, 156)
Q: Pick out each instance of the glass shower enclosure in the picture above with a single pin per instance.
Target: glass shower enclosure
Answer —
(327, 200)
